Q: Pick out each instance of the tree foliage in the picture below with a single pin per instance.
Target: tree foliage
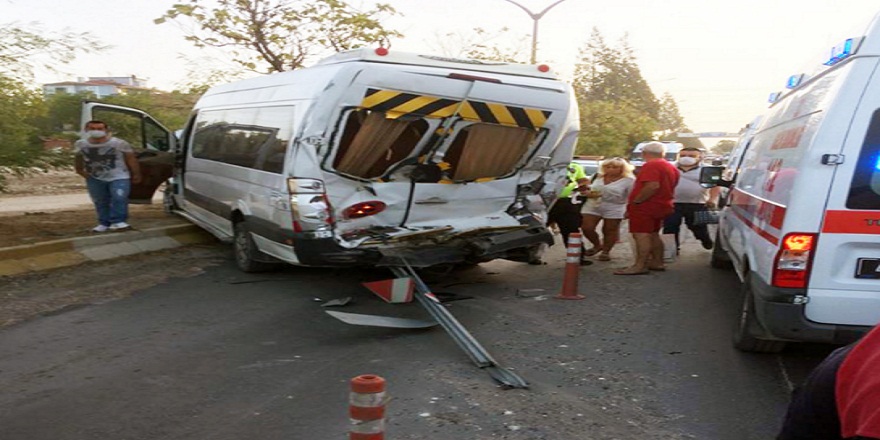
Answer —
(669, 118)
(23, 114)
(611, 128)
(24, 48)
(618, 108)
(481, 44)
(606, 73)
(724, 146)
(280, 35)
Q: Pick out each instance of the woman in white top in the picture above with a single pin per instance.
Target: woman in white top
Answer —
(607, 203)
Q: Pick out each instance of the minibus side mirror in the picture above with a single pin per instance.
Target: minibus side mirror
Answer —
(711, 177)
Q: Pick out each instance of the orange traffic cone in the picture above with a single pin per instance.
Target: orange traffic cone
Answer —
(367, 408)
(572, 268)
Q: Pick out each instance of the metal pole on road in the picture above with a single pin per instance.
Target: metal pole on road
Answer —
(535, 17)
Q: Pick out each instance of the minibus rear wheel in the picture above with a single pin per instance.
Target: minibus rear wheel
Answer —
(747, 326)
(247, 257)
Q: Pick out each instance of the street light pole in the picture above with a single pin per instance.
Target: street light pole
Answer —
(535, 18)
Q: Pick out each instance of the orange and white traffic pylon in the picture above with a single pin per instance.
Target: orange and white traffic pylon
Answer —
(367, 408)
(572, 268)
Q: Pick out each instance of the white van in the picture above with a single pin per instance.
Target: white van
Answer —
(801, 224)
(672, 149)
(372, 158)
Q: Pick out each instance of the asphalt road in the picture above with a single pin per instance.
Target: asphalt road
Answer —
(226, 355)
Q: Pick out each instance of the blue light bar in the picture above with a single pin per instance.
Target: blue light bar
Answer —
(840, 52)
(877, 164)
(774, 97)
(794, 81)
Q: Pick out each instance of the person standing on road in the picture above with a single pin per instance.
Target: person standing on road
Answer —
(566, 212)
(840, 398)
(649, 203)
(606, 202)
(110, 167)
(690, 198)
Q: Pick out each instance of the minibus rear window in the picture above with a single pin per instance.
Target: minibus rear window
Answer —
(371, 143)
(487, 150)
(864, 193)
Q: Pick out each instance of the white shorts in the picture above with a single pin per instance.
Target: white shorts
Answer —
(605, 210)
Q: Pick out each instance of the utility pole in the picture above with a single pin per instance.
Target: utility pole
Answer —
(535, 18)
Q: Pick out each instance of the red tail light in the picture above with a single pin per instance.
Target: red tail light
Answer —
(364, 209)
(543, 68)
(792, 265)
(309, 205)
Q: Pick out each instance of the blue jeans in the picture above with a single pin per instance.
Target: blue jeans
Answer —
(110, 199)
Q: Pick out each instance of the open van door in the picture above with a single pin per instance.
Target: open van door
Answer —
(154, 145)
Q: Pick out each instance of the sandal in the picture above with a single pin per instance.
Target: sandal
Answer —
(604, 257)
(591, 251)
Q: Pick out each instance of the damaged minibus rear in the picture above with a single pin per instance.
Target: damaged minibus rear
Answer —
(375, 158)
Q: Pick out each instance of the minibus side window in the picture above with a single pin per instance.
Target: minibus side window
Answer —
(254, 138)
(864, 192)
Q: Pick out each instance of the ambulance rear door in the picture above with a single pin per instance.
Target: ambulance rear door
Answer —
(844, 286)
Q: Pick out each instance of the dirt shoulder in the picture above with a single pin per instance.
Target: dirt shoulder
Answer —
(39, 225)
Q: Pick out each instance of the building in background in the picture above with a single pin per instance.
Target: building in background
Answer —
(100, 86)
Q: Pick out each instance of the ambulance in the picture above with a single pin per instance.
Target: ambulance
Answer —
(370, 157)
(801, 220)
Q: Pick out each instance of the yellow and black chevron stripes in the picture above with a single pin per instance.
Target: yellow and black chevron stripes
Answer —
(397, 104)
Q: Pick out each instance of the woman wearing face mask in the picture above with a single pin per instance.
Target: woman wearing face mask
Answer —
(606, 202)
(690, 197)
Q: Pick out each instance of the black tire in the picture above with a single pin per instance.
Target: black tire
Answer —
(719, 259)
(247, 257)
(747, 326)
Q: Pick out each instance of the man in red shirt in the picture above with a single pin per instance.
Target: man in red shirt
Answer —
(650, 201)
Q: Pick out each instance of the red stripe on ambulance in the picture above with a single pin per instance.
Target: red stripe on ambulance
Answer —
(851, 222)
(757, 213)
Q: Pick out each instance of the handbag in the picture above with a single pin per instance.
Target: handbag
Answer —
(706, 217)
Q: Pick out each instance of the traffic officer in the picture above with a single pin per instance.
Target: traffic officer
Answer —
(566, 212)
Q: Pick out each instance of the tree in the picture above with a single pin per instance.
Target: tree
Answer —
(669, 119)
(612, 128)
(483, 45)
(279, 35)
(618, 109)
(724, 146)
(607, 73)
(22, 110)
(22, 49)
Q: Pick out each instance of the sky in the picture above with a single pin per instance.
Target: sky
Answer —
(719, 59)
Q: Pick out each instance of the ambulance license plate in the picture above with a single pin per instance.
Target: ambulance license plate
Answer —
(868, 268)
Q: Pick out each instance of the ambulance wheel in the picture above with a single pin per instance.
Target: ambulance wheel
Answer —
(719, 258)
(247, 257)
(747, 326)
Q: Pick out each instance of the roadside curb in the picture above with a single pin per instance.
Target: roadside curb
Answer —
(17, 260)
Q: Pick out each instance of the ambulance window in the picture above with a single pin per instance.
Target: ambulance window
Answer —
(864, 192)
(487, 150)
(371, 143)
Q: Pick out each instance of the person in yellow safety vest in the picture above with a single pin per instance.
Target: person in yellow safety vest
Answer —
(566, 212)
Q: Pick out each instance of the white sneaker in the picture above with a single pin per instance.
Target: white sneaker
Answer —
(100, 228)
(119, 226)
